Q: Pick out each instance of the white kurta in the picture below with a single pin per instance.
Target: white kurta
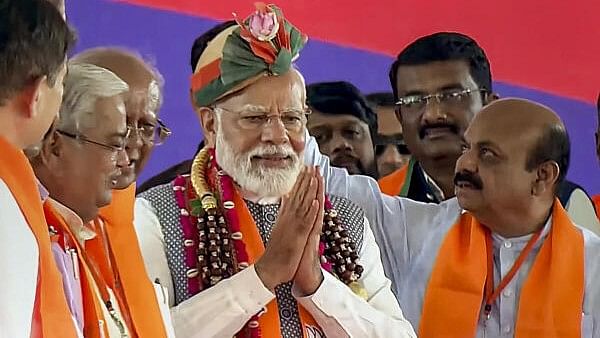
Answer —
(339, 312)
(19, 265)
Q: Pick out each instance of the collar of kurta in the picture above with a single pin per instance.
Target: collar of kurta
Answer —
(554, 286)
(264, 44)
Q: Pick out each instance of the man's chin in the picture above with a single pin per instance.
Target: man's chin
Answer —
(438, 148)
(125, 180)
(468, 202)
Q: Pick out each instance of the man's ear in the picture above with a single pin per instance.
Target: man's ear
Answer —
(52, 150)
(546, 177)
(208, 120)
(31, 97)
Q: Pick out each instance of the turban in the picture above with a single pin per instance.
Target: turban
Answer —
(264, 44)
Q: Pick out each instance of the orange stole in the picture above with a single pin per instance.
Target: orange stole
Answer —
(596, 200)
(269, 322)
(92, 306)
(140, 298)
(551, 299)
(398, 182)
(51, 314)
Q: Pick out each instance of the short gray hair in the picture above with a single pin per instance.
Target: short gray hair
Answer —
(84, 84)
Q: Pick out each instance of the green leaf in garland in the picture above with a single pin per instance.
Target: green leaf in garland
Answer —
(196, 207)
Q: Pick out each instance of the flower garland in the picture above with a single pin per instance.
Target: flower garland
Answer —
(213, 243)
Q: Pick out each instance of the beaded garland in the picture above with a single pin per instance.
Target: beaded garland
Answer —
(213, 243)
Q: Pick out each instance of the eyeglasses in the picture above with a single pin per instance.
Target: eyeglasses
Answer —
(452, 99)
(81, 138)
(152, 133)
(293, 120)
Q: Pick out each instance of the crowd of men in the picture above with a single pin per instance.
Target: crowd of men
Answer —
(437, 209)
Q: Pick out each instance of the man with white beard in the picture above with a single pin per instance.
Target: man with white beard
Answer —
(248, 244)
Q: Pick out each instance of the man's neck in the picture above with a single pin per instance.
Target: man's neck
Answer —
(442, 172)
(258, 198)
(8, 128)
(510, 225)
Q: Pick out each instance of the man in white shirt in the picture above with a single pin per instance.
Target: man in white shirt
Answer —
(87, 149)
(515, 154)
(33, 47)
(249, 244)
(440, 81)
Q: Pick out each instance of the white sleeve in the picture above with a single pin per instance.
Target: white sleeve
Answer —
(152, 246)
(235, 299)
(19, 266)
(341, 313)
(398, 224)
(582, 212)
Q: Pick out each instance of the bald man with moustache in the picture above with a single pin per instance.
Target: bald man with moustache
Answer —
(502, 259)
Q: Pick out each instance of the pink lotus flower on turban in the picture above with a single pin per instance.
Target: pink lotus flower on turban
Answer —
(263, 24)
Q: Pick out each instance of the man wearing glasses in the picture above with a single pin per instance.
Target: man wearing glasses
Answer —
(145, 130)
(439, 82)
(241, 236)
(142, 104)
(79, 164)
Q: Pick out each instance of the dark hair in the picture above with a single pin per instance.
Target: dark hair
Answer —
(202, 41)
(445, 46)
(382, 99)
(57, 3)
(34, 41)
(553, 145)
(341, 98)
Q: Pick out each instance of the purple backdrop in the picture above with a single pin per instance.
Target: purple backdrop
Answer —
(165, 38)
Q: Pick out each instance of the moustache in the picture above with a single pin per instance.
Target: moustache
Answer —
(468, 177)
(271, 150)
(424, 129)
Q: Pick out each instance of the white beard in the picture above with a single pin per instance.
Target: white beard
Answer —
(263, 181)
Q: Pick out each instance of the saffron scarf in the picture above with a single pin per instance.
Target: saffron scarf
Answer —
(398, 182)
(138, 299)
(92, 306)
(596, 200)
(551, 299)
(269, 321)
(51, 314)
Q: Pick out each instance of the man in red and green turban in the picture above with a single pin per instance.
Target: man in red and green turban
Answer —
(248, 244)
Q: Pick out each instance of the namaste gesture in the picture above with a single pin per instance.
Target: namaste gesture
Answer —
(292, 253)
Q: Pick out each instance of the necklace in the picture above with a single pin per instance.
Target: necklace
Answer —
(212, 233)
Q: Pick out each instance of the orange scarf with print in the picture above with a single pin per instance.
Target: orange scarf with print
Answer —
(398, 182)
(551, 299)
(92, 306)
(596, 200)
(137, 300)
(51, 314)
(269, 322)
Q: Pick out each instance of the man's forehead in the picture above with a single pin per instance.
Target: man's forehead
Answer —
(434, 76)
(144, 98)
(110, 112)
(317, 119)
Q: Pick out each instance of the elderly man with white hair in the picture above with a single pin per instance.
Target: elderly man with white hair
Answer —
(78, 163)
(249, 244)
